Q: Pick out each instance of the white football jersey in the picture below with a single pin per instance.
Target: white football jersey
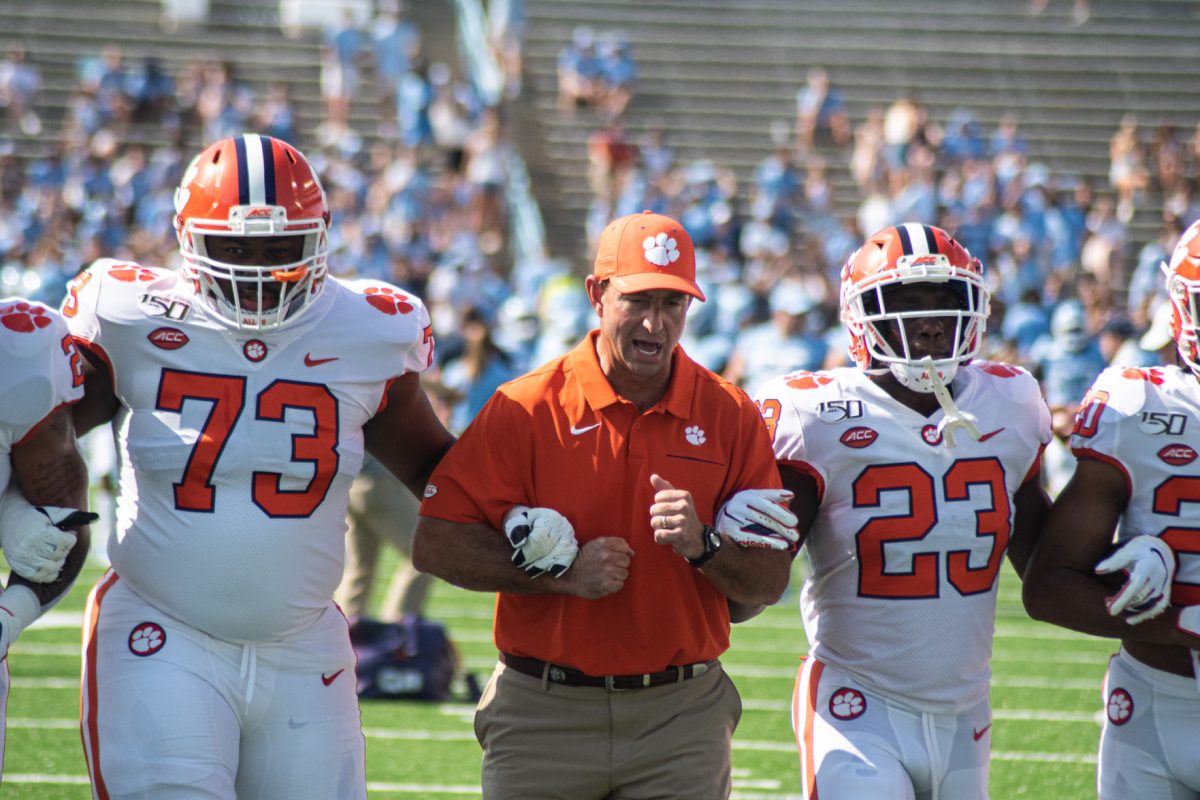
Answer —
(236, 449)
(41, 371)
(1146, 421)
(911, 533)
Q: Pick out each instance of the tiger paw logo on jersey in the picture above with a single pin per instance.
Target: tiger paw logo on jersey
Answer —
(254, 350)
(1153, 375)
(931, 435)
(147, 639)
(808, 380)
(24, 318)
(847, 704)
(131, 274)
(388, 300)
(1120, 707)
(999, 370)
(661, 250)
(694, 435)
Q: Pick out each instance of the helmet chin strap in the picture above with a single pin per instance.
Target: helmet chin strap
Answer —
(953, 418)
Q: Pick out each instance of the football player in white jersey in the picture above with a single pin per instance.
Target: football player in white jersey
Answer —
(1132, 510)
(914, 472)
(43, 478)
(244, 392)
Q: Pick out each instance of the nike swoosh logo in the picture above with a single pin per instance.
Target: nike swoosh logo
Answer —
(984, 438)
(979, 734)
(309, 361)
(578, 431)
(328, 679)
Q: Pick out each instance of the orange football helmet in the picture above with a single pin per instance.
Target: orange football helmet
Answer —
(1183, 285)
(253, 186)
(907, 254)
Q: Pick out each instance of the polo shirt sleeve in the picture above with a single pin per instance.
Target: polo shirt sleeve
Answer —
(756, 468)
(486, 471)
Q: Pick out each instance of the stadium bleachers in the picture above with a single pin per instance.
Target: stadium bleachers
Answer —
(720, 72)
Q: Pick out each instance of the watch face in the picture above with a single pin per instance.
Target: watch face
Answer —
(714, 538)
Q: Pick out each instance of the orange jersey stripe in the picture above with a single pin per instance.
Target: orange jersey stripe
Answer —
(89, 698)
(804, 703)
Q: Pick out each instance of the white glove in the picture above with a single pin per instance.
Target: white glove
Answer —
(37, 539)
(759, 518)
(19, 607)
(1151, 567)
(543, 539)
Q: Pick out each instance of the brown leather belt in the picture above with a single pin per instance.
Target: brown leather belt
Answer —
(566, 676)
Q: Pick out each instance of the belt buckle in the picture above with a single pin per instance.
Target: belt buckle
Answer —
(611, 686)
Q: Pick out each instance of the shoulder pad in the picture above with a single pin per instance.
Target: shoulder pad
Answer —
(28, 329)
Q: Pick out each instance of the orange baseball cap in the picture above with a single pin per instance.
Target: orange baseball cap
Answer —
(647, 251)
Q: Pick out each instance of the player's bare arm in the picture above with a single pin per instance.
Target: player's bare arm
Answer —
(478, 557)
(49, 471)
(1061, 585)
(805, 502)
(99, 404)
(407, 437)
(1031, 504)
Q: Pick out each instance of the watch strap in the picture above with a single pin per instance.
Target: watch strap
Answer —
(712, 543)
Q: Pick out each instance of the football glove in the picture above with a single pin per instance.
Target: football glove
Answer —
(1150, 564)
(37, 539)
(19, 607)
(759, 518)
(543, 540)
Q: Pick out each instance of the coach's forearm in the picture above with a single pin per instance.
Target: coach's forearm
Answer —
(473, 556)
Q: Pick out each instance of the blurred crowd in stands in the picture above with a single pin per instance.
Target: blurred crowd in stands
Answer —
(420, 201)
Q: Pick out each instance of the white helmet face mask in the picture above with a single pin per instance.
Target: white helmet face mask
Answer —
(888, 331)
(255, 297)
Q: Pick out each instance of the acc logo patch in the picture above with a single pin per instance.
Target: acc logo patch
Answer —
(859, 437)
(847, 704)
(146, 639)
(254, 350)
(1177, 455)
(1120, 707)
(167, 338)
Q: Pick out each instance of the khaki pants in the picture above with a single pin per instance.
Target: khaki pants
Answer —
(381, 510)
(545, 741)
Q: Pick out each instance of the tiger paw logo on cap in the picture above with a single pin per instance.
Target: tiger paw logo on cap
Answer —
(647, 252)
(661, 250)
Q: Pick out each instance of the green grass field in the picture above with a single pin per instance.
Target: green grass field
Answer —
(1045, 695)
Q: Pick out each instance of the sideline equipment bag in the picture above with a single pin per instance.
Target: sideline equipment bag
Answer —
(411, 659)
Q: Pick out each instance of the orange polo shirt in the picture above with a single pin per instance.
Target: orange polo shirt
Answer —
(560, 437)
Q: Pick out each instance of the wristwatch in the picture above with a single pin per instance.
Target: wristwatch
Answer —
(712, 543)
